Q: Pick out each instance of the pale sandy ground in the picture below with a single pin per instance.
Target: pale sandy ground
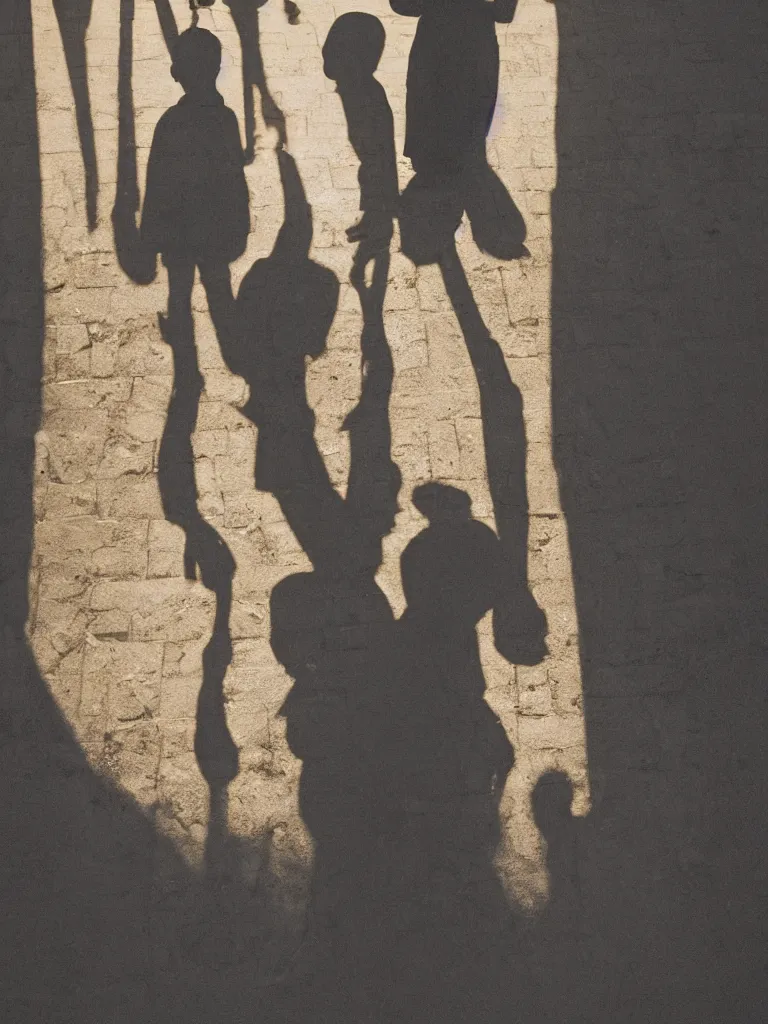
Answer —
(116, 628)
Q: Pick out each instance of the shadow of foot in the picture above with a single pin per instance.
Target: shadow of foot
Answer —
(497, 225)
(431, 209)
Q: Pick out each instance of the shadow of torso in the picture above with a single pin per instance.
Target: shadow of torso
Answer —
(452, 83)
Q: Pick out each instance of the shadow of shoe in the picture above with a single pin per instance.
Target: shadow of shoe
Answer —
(497, 225)
(430, 214)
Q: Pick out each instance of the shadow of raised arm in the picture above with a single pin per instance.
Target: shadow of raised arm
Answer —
(245, 15)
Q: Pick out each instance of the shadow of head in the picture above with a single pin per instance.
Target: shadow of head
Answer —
(353, 47)
(309, 609)
(450, 571)
(441, 503)
(287, 302)
(196, 59)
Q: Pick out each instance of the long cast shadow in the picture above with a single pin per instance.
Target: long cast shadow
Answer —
(92, 933)
(519, 625)
(196, 146)
(73, 17)
(78, 853)
(167, 20)
(403, 762)
(196, 215)
(245, 14)
(136, 259)
(668, 913)
(102, 918)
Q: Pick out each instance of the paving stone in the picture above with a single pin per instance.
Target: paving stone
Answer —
(77, 499)
(129, 497)
(166, 549)
(533, 691)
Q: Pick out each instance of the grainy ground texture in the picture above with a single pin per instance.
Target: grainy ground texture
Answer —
(626, 878)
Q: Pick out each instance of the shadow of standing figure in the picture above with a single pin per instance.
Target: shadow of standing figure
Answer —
(323, 622)
(403, 761)
(196, 216)
(351, 54)
(73, 17)
(452, 86)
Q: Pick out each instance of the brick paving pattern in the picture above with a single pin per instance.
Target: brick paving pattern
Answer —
(116, 628)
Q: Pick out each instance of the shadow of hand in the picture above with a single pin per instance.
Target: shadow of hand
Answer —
(371, 293)
(520, 628)
(205, 550)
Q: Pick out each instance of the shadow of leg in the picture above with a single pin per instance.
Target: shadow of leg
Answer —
(204, 550)
(245, 15)
(168, 25)
(135, 258)
(217, 282)
(73, 26)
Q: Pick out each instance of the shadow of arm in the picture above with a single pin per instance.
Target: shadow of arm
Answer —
(168, 25)
(374, 480)
(136, 259)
